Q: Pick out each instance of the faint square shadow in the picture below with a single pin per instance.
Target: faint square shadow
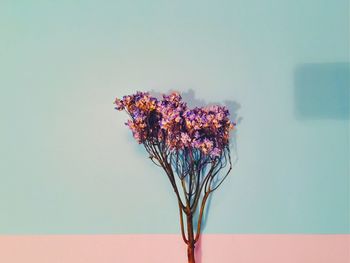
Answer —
(322, 91)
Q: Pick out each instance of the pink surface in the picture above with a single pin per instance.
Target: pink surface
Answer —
(171, 249)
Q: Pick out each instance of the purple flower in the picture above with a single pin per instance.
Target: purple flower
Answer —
(170, 120)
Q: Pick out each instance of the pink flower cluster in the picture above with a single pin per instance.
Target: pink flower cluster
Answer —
(169, 120)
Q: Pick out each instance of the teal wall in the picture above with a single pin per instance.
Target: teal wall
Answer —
(69, 165)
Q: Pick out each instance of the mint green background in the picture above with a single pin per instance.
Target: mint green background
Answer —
(68, 164)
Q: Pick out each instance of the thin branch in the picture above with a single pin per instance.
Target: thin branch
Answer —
(201, 216)
(229, 170)
(198, 194)
(182, 224)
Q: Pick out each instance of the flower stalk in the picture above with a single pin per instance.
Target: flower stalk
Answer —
(190, 145)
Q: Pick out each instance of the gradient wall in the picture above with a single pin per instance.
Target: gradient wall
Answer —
(68, 164)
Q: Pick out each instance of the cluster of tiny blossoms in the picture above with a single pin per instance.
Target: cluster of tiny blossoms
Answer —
(171, 121)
